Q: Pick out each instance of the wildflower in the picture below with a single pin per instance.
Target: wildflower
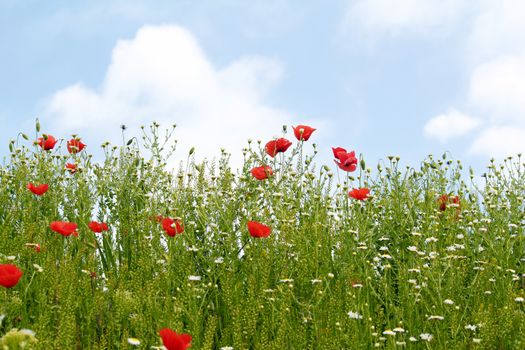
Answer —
(47, 142)
(35, 246)
(261, 172)
(38, 190)
(64, 228)
(9, 275)
(275, 146)
(359, 193)
(258, 230)
(219, 260)
(315, 281)
(172, 227)
(471, 327)
(399, 330)
(174, 341)
(75, 146)
(476, 340)
(98, 227)
(194, 278)
(345, 160)
(426, 336)
(303, 132)
(445, 199)
(436, 317)
(133, 341)
(72, 168)
(354, 315)
(519, 300)
(38, 268)
(389, 332)
(448, 302)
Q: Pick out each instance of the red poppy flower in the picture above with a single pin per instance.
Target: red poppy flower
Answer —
(445, 199)
(275, 146)
(262, 172)
(47, 142)
(359, 193)
(345, 160)
(98, 227)
(72, 168)
(75, 146)
(172, 227)
(9, 275)
(174, 341)
(38, 190)
(303, 132)
(64, 228)
(258, 230)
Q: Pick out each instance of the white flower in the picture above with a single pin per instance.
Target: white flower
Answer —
(219, 260)
(413, 339)
(476, 340)
(27, 332)
(330, 275)
(436, 317)
(11, 258)
(354, 315)
(471, 327)
(315, 281)
(519, 300)
(286, 280)
(448, 302)
(426, 336)
(194, 278)
(389, 332)
(227, 348)
(431, 239)
(133, 341)
(412, 248)
(399, 330)
(38, 268)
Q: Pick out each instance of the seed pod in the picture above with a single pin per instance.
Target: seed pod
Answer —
(37, 125)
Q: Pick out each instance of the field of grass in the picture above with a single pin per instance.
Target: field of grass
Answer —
(429, 260)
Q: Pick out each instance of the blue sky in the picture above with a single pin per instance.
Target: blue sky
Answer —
(403, 78)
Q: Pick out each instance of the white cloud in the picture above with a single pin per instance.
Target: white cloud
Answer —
(402, 16)
(162, 74)
(450, 125)
(499, 141)
(497, 87)
(497, 29)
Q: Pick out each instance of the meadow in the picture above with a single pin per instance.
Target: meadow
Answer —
(127, 253)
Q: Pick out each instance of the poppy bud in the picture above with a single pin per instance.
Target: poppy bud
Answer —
(362, 164)
(37, 125)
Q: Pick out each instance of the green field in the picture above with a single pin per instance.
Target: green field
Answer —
(430, 260)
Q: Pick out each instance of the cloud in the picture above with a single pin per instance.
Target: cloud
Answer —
(499, 141)
(497, 87)
(450, 125)
(386, 17)
(162, 74)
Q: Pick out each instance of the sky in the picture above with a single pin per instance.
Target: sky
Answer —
(381, 77)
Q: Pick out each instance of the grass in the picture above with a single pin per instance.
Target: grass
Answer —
(391, 271)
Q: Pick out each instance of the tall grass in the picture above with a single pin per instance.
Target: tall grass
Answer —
(391, 271)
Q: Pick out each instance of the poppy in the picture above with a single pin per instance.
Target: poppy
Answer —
(72, 168)
(173, 341)
(359, 193)
(345, 160)
(75, 146)
(47, 142)
(9, 275)
(445, 199)
(64, 228)
(98, 227)
(172, 227)
(275, 146)
(262, 172)
(38, 190)
(258, 230)
(303, 132)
